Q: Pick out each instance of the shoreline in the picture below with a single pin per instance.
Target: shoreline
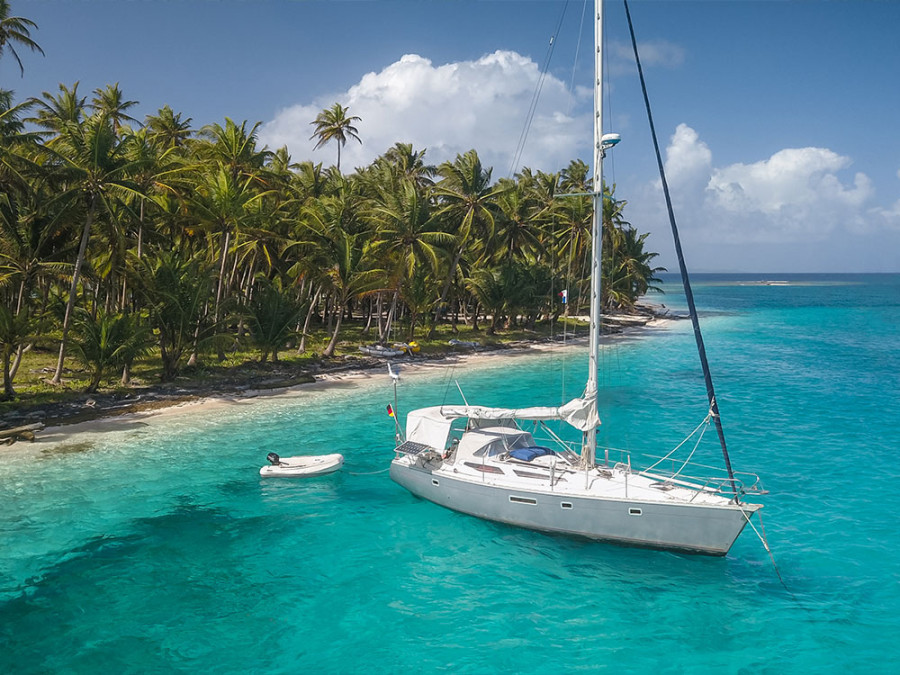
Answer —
(63, 420)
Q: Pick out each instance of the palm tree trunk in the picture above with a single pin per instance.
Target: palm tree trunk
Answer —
(8, 391)
(140, 237)
(369, 312)
(309, 313)
(329, 350)
(18, 360)
(390, 316)
(446, 289)
(379, 310)
(82, 248)
(221, 290)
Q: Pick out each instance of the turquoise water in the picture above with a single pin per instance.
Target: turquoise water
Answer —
(153, 546)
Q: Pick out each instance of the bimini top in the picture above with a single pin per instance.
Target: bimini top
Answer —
(431, 426)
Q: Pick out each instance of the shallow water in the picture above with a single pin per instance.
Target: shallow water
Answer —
(155, 546)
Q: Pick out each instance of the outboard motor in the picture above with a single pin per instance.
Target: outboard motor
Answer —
(273, 458)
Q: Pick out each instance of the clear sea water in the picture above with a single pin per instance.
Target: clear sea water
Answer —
(154, 546)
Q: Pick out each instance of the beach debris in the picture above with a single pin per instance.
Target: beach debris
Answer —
(24, 433)
(381, 351)
(411, 347)
(461, 343)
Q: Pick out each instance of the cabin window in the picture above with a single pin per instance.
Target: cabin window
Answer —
(634, 512)
(484, 468)
(565, 505)
(522, 500)
(505, 444)
(434, 481)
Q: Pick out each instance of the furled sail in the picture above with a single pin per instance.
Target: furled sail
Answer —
(580, 413)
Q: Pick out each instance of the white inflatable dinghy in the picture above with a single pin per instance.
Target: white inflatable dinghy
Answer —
(301, 467)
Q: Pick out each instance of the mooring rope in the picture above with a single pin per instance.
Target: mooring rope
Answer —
(765, 543)
(367, 473)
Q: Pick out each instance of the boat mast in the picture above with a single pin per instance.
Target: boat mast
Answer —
(589, 444)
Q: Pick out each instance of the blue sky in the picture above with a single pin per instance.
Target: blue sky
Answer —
(778, 119)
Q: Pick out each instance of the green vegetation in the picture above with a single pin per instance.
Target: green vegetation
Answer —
(150, 250)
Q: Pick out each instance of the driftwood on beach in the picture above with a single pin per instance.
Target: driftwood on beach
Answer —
(25, 433)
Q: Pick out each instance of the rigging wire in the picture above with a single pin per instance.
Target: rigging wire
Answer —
(539, 85)
(689, 295)
(584, 6)
(707, 376)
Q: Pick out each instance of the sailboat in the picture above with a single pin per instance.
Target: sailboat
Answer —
(508, 465)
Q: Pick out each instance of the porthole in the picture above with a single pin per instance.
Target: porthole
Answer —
(434, 481)
(565, 505)
(634, 512)
(522, 500)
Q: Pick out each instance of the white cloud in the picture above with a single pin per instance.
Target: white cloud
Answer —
(790, 179)
(446, 109)
(653, 53)
(888, 218)
(688, 159)
(796, 195)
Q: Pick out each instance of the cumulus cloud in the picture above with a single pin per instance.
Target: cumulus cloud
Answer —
(688, 159)
(446, 109)
(797, 194)
(889, 218)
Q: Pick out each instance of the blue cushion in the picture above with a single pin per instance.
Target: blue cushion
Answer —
(528, 454)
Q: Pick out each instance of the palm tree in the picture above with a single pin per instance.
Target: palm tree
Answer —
(107, 341)
(233, 147)
(488, 288)
(409, 241)
(174, 290)
(410, 164)
(16, 30)
(333, 124)
(54, 113)
(517, 230)
(15, 330)
(340, 252)
(168, 128)
(110, 101)
(223, 205)
(16, 146)
(271, 316)
(96, 165)
(468, 206)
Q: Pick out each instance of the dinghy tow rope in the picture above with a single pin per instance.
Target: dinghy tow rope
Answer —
(367, 473)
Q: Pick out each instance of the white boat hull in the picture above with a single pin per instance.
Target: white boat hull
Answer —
(303, 467)
(709, 529)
